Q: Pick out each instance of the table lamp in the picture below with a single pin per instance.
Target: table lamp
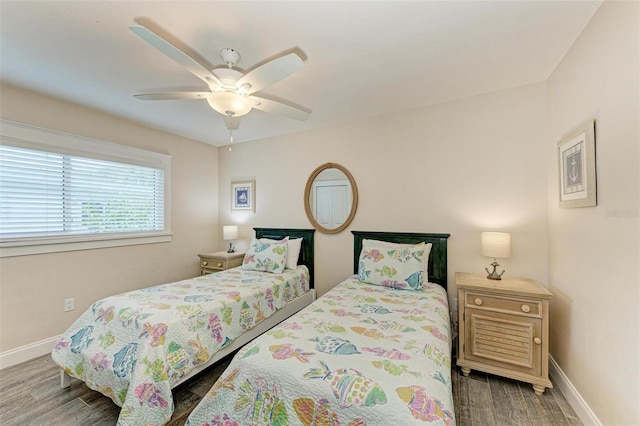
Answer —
(230, 233)
(498, 246)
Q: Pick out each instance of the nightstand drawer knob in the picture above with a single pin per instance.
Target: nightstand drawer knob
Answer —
(525, 308)
(478, 301)
(205, 263)
(537, 341)
(219, 264)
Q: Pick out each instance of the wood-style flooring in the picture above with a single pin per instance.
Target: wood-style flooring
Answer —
(30, 394)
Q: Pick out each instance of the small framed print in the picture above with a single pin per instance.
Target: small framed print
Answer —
(577, 167)
(243, 195)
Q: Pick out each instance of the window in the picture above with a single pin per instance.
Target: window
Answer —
(55, 195)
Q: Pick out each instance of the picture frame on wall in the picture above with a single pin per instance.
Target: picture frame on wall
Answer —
(577, 167)
(243, 195)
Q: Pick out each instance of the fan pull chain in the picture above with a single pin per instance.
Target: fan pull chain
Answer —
(230, 139)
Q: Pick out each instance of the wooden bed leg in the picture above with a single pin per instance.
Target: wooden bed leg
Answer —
(65, 379)
(538, 389)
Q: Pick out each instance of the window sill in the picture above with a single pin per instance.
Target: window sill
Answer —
(41, 246)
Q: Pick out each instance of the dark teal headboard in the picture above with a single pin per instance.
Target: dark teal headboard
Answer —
(306, 252)
(437, 268)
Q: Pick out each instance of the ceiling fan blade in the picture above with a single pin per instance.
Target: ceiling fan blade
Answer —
(232, 123)
(270, 73)
(170, 96)
(275, 107)
(193, 66)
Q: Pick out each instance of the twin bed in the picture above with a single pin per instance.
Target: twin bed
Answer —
(137, 346)
(363, 353)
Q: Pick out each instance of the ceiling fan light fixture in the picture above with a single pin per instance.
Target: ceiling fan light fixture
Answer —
(231, 90)
(229, 103)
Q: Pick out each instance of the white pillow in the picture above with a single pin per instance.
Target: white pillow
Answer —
(427, 251)
(293, 251)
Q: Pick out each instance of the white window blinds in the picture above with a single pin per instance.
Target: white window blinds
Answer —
(64, 192)
(46, 194)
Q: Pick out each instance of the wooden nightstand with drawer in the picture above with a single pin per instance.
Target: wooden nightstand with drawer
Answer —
(219, 261)
(503, 328)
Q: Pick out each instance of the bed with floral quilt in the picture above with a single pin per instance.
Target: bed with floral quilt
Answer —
(374, 351)
(136, 346)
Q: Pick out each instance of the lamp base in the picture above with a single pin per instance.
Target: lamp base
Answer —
(494, 275)
(231, 249)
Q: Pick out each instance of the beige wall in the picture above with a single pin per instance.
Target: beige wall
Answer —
(462, 167)
(33, 288)
(594, 252)
(481, 163)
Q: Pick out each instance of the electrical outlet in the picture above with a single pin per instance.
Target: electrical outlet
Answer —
(69, 304)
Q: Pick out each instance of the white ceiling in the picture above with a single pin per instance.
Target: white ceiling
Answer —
(363, 59)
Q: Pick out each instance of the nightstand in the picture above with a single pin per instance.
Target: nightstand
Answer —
(219, 261)
(503, 328)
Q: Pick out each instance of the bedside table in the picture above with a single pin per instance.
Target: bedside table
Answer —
(219, 261)
(503, 328)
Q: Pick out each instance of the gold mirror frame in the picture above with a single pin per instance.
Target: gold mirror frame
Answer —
(307, 194)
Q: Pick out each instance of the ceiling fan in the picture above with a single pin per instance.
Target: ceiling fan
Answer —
(231, 92)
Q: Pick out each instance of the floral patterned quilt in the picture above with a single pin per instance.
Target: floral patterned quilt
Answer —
(133, 347)
(361, 354)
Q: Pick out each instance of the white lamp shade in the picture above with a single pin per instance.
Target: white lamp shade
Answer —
(496, 244)
(229, 103)
(230, 232)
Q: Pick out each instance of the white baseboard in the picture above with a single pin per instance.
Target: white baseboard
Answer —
(572, 395)
(27, 352)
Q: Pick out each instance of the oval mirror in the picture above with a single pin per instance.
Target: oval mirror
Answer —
(330, 198)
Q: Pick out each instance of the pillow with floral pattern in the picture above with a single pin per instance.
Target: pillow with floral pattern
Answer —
(266, 255)
(399, 267)
(427, 251)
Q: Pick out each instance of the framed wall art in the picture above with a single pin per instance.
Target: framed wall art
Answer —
(577, 167)
(243, 195)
